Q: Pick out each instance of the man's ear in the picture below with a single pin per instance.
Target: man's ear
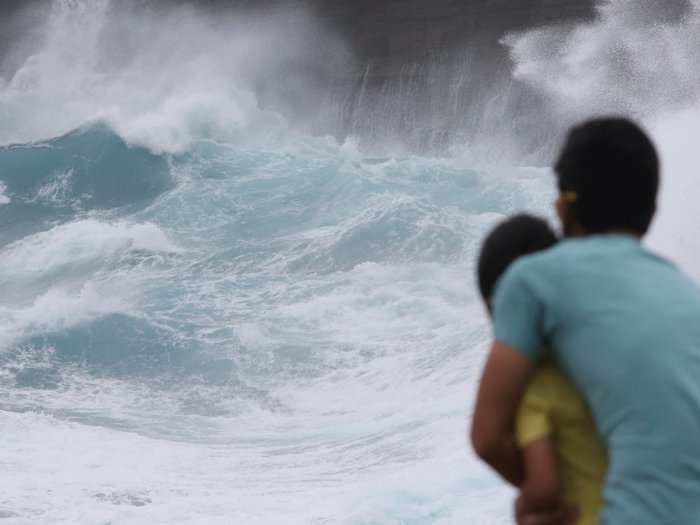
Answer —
(562, 212)
(569, 226)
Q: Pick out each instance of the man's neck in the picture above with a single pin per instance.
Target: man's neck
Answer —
(625, 231)
(578, 232)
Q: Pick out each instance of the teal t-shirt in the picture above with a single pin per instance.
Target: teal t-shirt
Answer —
(625, 325)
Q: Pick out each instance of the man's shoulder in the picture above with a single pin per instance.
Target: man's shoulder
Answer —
(565, 255)
(543, 273)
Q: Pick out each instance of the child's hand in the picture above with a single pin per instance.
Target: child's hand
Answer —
(564, 515)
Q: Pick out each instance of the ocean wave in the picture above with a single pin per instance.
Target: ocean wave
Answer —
(89, 170)
(273, 296)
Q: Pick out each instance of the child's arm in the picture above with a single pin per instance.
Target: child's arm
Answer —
(540, 501)
(541, 490)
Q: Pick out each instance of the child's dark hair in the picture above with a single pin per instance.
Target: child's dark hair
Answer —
(610, 168)
(517, 236)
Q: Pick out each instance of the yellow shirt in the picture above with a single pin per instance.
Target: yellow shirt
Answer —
(552, 407)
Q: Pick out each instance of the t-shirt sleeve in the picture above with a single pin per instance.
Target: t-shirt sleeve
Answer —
(533, 420)
(518, 314)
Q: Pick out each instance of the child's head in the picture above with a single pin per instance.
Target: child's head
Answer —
(517, 236)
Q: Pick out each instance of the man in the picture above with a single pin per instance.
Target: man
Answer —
(622, 323)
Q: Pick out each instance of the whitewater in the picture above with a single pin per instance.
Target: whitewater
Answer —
(209, 315)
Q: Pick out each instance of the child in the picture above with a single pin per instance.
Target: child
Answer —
(564, 458)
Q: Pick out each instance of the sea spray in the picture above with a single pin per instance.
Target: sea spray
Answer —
(638, 59)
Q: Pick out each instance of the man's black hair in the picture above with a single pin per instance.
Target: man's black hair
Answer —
(520, 235)
(610, 170)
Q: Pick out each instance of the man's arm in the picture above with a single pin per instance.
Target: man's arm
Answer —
(500, 391)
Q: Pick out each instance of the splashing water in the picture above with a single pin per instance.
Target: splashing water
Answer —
(208, 316)
(636, 59)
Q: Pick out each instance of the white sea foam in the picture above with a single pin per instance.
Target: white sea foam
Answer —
(4, 199)
(92, 474)
(74, 254)
(57, 190)
(76, 243)
(61, 308)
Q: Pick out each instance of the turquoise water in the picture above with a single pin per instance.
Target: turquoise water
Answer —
(298, 309)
